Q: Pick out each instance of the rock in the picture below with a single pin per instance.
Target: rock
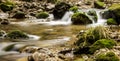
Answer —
(93, 15)
(7, 6)
(115, 11)
(42, 15)
(5, 22)
(19, 15)
(60, 9)
(99, 5)
(80, 18)
(106, 14)
(111, 21)
(16, 34)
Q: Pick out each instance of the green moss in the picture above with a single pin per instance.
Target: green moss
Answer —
(80, 18)
(99, 5)
(110, 56)
(85, 40)
(93, 34)
(17, 34)
(111, 21)
(42, 15)
(9, 47)
(115, 11)
(102, 43)
(7, 6)
(74, 9)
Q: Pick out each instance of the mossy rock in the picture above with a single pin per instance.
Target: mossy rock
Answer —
(88, 38)
(115, 11)
(74, 9)
(42, 15)
(102, 43)
(80, 18)
(106, 14)
(60, 9)
(93, 15)
(19, 15)
(9, 47)
(109, 56)
(7, 6)
(99, 5)
(16, 35)
(111, 21)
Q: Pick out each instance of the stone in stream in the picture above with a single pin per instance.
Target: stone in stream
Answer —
(79, 18)
(19, 15)
(60, 9)
(5, 22)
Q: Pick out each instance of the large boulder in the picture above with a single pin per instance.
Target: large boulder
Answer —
(115, 10)
(60, 9)
(80, 18)
(112, 12)
(106, 14)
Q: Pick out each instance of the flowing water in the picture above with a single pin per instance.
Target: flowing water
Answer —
(43, 32)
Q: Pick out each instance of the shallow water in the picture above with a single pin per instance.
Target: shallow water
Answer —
(42, 33)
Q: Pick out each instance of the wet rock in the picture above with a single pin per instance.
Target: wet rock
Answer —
(7, 6)
(106, 14)
(80, 18)
(93, 15)
(19, 15)
(16, 34)
(60, 9)
(5, 22)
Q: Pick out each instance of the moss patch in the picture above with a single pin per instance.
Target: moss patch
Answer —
(80, 18)
(110, 56)
(102, 43)
(111, 22)
(42, 15)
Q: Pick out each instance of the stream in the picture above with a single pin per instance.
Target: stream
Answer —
(40, 31)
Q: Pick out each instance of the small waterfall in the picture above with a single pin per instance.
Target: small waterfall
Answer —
(100, 20)
(67, 16)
